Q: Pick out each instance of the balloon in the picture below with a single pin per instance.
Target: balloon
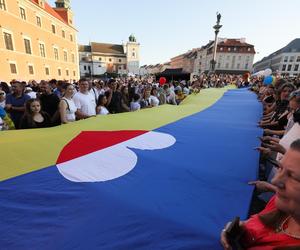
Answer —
(268, 80)
(260, 73)
(267, 72)
(246, 76)
(162, 80)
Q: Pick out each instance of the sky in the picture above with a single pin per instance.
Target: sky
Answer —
(167, 28)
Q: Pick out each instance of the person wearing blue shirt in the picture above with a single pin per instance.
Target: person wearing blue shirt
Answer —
(15, 102)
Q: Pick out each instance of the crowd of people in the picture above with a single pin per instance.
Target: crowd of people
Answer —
(25, 105)
(275, 219)
(275, 224)
(51, 103)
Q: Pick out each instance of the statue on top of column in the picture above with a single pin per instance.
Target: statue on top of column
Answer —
(218, 17)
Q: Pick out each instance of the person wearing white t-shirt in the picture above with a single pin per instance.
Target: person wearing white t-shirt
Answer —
(30, 92)
(84, 101)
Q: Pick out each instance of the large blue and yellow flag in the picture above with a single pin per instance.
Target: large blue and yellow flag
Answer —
(161, 178)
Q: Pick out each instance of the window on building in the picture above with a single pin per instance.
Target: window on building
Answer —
(283, 67)
(292, 58)
(27, 46)
(47, 71)
(73, 58)
(13, 68)
(285, 59)
(234, 49)
(30, 70)
(89, 67)
(100, 59)
(298, 59)
(289, 67)
(238, 66)
(120, 67)
(84, 67)
(63, 34)
(53, 29)
(249, 49)
(296, 67)
(120, 60)
(74, 73)
(228, 57)
(71, 37)
(109, 59)
(59, 72)
(67, 72)
(246, 65)
(2, 5)
(38, 21)
(229, 49)
(219, 65)
(55, 50)
(23, 13)
(133, 54)
(65, 56)
(240, 58)
(227, 65)
(8, 41)
(42, 50)
(221, 48)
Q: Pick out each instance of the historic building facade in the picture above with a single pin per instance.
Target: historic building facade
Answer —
(234, 56)
(97, 59)
(37, 41)
(285, 61)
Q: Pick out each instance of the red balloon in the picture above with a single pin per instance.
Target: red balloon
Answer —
(162, 80)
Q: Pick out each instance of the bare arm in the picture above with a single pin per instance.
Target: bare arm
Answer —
(62, 111)
(80, 115)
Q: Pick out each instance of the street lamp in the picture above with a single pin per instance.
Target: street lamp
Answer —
(217, 28)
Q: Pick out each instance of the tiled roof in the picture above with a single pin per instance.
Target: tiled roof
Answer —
(51, 11)
(235, 46)
(234, 42)
(84, 48)
(107, 48)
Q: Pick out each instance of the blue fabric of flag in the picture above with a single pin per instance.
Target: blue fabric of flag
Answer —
(175, 198)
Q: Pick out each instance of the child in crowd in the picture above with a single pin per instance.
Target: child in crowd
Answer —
(34, 117)
(135, 104)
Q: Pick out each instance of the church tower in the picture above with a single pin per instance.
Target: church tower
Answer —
(133, 55)
(63, 8)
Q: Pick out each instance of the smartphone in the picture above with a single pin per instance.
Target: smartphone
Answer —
(234, 233)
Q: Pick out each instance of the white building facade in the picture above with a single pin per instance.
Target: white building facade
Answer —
(285, 61)
(234, 56)
(96, 59)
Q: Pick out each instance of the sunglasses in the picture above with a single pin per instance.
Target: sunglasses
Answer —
(2, 93)
(295, 94)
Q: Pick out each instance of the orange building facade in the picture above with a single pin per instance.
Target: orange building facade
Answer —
(37, 41)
